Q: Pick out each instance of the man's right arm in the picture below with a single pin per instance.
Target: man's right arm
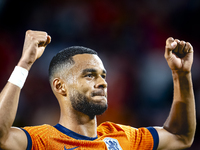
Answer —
(10, 137)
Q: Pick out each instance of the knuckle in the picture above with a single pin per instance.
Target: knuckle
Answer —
(182, 43)
(33, 38)
(28, 32)
(45, 33)
(170, 39)
(188, 43)
(177, 40)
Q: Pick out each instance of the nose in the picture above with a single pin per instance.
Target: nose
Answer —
(101, 83)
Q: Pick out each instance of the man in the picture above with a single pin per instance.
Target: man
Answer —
(77, 77)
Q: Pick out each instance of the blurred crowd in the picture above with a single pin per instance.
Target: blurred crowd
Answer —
(129, 37)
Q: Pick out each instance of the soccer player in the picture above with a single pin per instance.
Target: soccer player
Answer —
(78, 80)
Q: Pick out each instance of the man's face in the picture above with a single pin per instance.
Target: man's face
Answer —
(87, 87)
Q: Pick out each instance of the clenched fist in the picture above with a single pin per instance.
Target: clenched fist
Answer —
(34, 46)
(179, 55)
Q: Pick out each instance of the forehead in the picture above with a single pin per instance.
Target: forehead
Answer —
(83, 61)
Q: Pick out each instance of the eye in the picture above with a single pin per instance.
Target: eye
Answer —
(89, 75)
(103, 76)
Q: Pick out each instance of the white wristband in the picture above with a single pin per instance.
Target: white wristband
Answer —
(18, 76)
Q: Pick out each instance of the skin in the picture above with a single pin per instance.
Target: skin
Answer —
(86, 76)
(34, 46)
(180, 125)
(176, 133)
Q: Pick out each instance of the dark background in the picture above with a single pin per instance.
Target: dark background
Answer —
(129, 36)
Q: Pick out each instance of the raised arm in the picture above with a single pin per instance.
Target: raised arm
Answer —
(179, 129)
(10, 137)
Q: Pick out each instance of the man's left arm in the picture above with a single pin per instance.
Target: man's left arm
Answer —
(179, 129)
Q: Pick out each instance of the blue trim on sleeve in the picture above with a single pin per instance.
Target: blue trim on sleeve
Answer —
(29, 146)
(155, 137)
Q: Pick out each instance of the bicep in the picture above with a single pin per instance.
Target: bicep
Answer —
(16, 139)
(168, 140)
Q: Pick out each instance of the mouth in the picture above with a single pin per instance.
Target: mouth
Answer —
(99, 93)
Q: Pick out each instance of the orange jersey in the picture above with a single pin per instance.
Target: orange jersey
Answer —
(110, 136)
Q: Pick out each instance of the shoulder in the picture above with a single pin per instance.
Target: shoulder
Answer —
(39, 127)
(110, 127)
(145, 138)
(38, 130)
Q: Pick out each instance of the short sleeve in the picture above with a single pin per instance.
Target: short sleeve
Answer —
(29, 145)
(37, 137)
(154, 133)
(142, 138)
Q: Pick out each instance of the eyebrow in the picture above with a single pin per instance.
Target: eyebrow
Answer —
(92, 70)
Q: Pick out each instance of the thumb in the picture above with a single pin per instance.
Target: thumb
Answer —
(45, 43)
(48, 40)
(170, 46)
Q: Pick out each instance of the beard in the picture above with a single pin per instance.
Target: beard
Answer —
(83, 104)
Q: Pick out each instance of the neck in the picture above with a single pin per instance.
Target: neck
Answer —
(79, 123)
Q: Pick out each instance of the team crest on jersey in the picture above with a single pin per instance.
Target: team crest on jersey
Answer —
(112, 144)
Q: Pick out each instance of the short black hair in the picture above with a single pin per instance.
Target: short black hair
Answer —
(66, 56)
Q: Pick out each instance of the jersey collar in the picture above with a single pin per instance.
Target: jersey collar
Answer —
(72, 134)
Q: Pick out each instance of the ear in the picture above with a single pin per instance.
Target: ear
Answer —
(59, 87)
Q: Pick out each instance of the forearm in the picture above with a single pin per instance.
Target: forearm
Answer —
(9, 98)
(182, 118)
(34, 46)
